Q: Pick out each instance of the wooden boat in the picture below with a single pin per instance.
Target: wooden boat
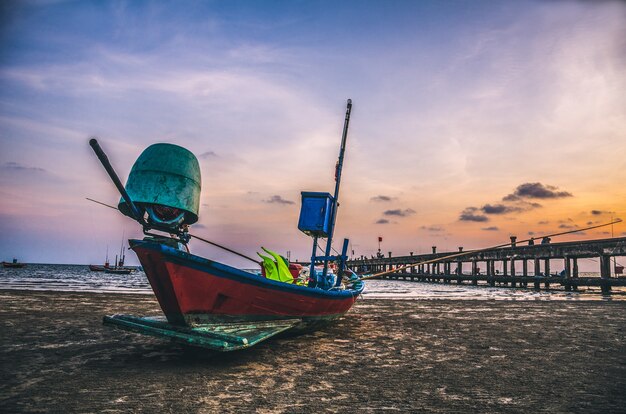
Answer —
(97, 268)
(119, 270)
(193, 290)
(210, 304)
(13, 265)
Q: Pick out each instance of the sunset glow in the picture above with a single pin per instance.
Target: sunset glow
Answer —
(472, 120)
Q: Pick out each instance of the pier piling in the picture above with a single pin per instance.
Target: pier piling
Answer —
(546, 254)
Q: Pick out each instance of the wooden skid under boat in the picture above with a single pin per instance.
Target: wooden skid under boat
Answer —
(220, 337)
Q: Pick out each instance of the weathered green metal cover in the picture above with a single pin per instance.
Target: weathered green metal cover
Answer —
(168, 175)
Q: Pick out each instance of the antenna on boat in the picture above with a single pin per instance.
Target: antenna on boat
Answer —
(319, 213)
(121, 262)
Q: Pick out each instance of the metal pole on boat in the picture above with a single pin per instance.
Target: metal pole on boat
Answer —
(342, 150)
(109, 169)
(312, 275)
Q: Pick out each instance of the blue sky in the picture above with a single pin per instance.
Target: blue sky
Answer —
(456, 104)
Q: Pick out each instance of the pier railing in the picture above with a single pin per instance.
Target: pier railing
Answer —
(518, 265)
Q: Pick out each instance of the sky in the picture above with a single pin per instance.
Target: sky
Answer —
(472, 120)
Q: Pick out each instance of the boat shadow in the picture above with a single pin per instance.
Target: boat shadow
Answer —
(147, 352)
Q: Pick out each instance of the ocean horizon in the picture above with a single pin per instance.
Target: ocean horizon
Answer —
(78, 278)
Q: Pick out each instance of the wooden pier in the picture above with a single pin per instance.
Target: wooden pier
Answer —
(521, 265)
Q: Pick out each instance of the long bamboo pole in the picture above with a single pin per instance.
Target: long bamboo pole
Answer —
(466, 253)
(116, 180)
(192, 235)
(452, 256)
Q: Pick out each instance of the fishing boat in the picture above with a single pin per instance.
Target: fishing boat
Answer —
(119, 268)
(210, 304)
(119, 271)
(13, 264)
(194, 290)
(97, 268)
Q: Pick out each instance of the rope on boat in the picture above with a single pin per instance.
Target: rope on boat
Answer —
(466, 253)
(192, 235)
(224, 248)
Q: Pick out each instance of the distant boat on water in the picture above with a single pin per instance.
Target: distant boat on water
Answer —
(97, 268)
(13, 265)
(117, 269)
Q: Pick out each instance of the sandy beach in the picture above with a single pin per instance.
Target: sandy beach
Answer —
(385, 355)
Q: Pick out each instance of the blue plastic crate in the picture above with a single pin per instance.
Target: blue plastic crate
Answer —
(315, 214)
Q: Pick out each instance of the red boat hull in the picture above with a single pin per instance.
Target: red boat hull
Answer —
(193, 290)
(10, 265)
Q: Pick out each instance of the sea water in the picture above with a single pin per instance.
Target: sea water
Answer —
(72, 278)
(78, 278)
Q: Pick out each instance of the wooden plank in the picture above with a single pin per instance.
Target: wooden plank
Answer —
(223, 337)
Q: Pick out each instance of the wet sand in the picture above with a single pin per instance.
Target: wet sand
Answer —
(408, 356)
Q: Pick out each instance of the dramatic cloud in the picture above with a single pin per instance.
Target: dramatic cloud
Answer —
(399, 213)
(543, 223)
(492, 228)
(499, 209)
(382, 198)
(433, 229)
(15, 166)
(567, 226)
(208, 154)
(221, 79)
(536, 190)
(469, 214)
(600, 212)
(276, 199)
(382, 221)
(513, 205)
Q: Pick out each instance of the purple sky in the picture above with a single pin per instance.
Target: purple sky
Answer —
(457, 106)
